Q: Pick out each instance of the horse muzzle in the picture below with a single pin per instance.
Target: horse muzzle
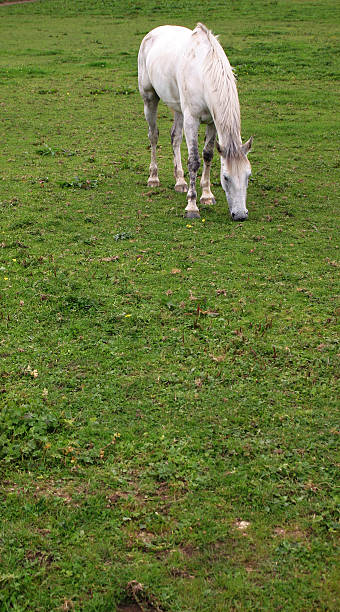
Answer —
(240, 216)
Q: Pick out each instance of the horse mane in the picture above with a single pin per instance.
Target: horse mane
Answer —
(224, 102)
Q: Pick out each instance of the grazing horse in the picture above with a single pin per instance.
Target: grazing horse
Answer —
(190, 72)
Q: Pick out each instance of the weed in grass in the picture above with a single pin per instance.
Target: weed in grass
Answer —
(46, 150)
(123, 236)
(80, 183)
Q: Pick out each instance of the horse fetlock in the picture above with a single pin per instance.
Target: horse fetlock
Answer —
(207, 200)
(181, 186)
(192, 197)
(191, 210)
(153, 181)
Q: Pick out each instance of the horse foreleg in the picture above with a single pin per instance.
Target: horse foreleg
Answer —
(208, 153)
(150, 111)
(176, 140)
(191, 135)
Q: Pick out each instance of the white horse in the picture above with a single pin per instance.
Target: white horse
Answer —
(190, 72)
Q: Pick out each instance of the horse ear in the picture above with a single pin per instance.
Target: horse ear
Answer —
(220, 150)
(247, 146)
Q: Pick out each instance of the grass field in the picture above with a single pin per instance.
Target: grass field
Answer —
(168, 388)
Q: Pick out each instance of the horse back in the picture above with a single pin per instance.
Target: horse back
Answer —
(159, 56)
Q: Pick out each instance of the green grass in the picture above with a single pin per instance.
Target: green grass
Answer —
(168, 388)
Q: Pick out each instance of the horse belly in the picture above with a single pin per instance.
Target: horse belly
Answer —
(164, 81)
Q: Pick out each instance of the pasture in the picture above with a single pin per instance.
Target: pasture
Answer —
(168, 425)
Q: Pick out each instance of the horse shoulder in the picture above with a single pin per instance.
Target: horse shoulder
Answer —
(191, 75)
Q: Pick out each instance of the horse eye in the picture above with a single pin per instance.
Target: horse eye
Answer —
(226, 178)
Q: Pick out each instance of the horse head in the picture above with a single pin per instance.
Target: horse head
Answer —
(235, 173)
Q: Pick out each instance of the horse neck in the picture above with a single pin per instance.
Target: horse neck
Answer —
(226, 114)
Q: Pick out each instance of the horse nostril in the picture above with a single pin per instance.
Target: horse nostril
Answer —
(239, 217)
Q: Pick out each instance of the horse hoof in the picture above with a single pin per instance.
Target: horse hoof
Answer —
(152, 182)
(207, 201)
(182, 188)
(192, 214)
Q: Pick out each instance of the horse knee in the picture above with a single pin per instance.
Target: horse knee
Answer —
(208, 154)
(173, 134)
(153, 134)
(176, 134)
(150, 97)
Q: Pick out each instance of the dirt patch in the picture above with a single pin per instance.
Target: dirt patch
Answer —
(188, 550)
(293, 533)
(234, 552)
(128, 607)
(49, 488)
(146, 537)
(222, 549)
(177, 572)
(9, 3)
(163, 490)
(139, 599)
(40, 557)
(43, 532)
(70, 491)
(113, 498)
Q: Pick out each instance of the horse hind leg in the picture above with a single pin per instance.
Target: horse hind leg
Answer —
(207, 198)
(176, 140)
(150, 110)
